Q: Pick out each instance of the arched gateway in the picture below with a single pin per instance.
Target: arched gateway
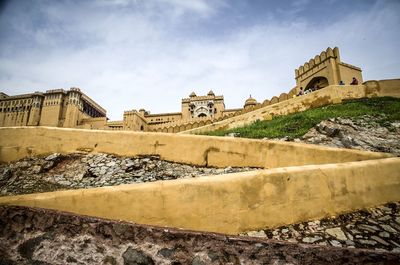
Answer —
(324, 70)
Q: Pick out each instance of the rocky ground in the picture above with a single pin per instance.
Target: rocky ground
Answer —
(38, 236)
(375, 228)
(362, 133)
(81, 170)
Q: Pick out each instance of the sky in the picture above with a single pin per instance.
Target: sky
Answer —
(132, 54)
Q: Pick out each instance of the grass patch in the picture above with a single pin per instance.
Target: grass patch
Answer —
(386, 109)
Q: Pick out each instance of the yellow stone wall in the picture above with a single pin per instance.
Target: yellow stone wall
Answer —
(326, 69)
(230, 203)
(155, 119)
(93, 123)
(18, 142)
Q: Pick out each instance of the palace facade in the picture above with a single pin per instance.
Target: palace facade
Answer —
(57, 108)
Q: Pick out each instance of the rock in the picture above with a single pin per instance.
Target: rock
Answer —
(228, 170)
(385, 209)
(367, 242)
(385, 218)
(395, 226)
(388, 228)
(380, 240)
(365, 132)
(6, 174)
(166, 252)
(260, 233)
(314, 223)
(136, 257)
(369, 228)
(384, 234)
(349, 236)
(64, 182)
(197, 261)
(311, 239)
(336, 233)
(36, 169)
(396, 250)
(48, 165)
(335, 243)
(53, 157)
(111, 164)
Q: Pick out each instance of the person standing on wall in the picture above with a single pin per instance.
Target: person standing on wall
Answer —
(354, 81)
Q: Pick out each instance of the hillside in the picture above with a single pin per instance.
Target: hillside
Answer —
(367, 124)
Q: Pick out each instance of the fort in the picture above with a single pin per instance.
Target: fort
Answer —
(197, 220)
(74, 109)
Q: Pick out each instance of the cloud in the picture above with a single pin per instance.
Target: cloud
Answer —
(134, 54)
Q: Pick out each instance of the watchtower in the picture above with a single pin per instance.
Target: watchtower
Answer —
(326, 69)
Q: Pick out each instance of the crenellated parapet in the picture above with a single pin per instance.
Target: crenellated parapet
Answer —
(317, 61)
(324, 70)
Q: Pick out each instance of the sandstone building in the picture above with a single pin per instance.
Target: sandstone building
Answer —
(196, 110)
(56, 108)
(74, 109)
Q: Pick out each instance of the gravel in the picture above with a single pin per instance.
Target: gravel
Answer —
(82, 170)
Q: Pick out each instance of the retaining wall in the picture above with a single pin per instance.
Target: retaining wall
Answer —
(234, 203)
(36, 236)
(18, 142)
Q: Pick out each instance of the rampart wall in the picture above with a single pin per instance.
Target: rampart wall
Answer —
(19, 142)
(285, 105)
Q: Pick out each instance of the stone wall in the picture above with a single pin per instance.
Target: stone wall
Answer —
(19, 142)
(36, 236)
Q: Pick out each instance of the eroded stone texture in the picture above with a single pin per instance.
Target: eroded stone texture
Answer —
(375, 228)
(36, 236)
(362, 133)
(81, 170)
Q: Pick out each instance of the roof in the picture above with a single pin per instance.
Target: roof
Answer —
(250, 102)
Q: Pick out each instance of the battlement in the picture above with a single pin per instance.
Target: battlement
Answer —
(58, 90)
(131, 112)
(317, 60)
(197, 98)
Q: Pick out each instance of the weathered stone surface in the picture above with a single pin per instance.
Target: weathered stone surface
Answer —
(79, 170)
(136, 257)
(336, 232)
(362, 133)
(373, 228)
(59, 238)
(311, 239)
(257, 234)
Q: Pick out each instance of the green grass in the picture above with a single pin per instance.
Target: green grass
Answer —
(295, 125)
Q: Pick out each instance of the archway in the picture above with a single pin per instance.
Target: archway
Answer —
(318, 81)
(202, 115)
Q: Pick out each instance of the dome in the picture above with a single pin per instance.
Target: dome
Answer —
(250, 102)
(211, 93)
(192, 95)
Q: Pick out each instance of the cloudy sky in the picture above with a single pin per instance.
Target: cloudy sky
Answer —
(131, 54)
